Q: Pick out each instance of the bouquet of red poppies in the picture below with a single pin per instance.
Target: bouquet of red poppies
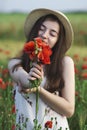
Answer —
(40, 52)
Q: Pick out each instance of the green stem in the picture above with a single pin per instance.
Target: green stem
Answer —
(37, 96)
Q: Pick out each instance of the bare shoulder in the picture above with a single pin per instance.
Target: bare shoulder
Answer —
(67, 61)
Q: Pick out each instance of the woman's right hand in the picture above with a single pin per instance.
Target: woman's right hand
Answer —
(36, 72)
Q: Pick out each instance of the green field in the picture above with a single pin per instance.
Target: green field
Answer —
(12, 34)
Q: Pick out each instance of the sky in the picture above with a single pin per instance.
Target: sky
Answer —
(27, 5)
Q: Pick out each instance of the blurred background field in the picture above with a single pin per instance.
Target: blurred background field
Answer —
(12, 33)
(12, 40)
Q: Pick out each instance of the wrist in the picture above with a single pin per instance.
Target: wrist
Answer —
(40, 89)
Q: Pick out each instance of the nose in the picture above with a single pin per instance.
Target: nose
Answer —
(45, 34)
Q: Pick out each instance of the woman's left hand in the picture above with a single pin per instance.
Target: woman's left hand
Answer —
(28, 90)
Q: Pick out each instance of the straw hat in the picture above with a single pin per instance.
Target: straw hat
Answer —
(37, 13)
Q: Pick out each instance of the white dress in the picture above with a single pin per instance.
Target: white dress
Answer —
(25, 114)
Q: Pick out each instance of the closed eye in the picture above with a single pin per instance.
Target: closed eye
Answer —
(53, 33)
(42, 28)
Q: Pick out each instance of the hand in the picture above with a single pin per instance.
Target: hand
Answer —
(29, 90)
(36, 71)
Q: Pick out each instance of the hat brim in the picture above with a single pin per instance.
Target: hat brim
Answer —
(37, 13)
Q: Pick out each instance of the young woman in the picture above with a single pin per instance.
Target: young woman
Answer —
(57, 89)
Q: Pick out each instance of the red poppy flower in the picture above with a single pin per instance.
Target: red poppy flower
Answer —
(7, 52)
(76, 93)
(3, 86)
(84, 58)
(76, 70)
(13, 109)
(1, 80)
(76, 57)
(48, 124)
(84, 75)
(1, 50)
(13, 127)
(38, 50)
(44, 55)
(29, 47)
(84, 66)
(38, 41)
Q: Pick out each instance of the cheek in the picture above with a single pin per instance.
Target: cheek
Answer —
(53, 42)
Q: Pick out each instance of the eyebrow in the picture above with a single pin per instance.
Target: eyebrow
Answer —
(51, 29)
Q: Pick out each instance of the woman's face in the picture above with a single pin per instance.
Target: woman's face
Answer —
(49, 32)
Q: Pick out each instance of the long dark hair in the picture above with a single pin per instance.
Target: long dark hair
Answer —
(53, 72)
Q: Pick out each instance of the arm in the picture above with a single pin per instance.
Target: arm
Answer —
(18, 75)
(65, 104)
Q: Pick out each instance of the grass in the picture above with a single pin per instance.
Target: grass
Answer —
(7, 18)
(11, 46)
(80, 50)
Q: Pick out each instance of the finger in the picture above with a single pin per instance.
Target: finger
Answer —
(29, 90)
(30, 77)
(35, 75)
(32, 90)
(38, 66)
(37, 71)
(26, 90)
